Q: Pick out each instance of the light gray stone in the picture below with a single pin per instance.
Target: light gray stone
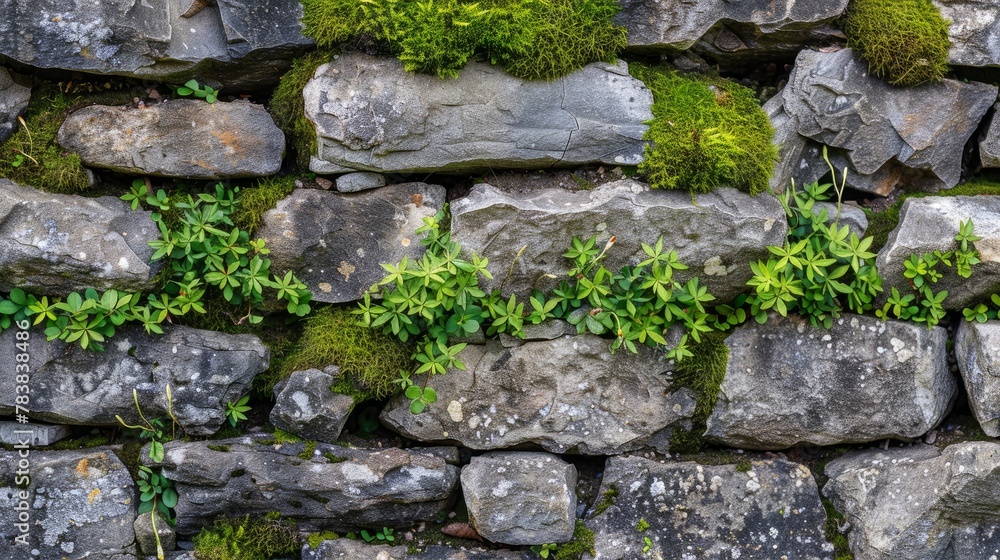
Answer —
(919, 503)
(14, 99)
(977, 351)
(716, 234)
(205, 370)
(145, 539)
(35, 434)
(370, 115)
(567, 395)
(336, 242)
(337, 488)
(989, 145)
(361, 181)
(521, 498)
(79, 504)
(307, 407)
(56, 243)
(179, 138)
(343, 549)
(973, 27)
(788, 383)
(931, 223)
(770, 511)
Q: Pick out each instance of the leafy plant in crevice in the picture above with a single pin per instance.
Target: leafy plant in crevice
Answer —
(384, 534)
(192, 88)
(154, 430)
(237, 411)
(156, 495)
(545, 550)
(706, 132)
(287, 104)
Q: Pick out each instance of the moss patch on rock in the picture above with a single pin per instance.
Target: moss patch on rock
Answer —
(287, 106)
(256, 200)
(706, 132)
(582, 544)
(904, 41)
(247, 539)
(703, 373)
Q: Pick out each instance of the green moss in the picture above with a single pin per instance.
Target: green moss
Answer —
(702, 373)
(642, 526)
(582, 543)
(706, 132)
(219, 448)
(834, 519)
(247, 539)
(333, 459)
(308, 451)
(369, 361)
(904, 41)
(532, 39)
(254, 201)
(288, 106)
(316, 538)
(607, 498)
(744, 466)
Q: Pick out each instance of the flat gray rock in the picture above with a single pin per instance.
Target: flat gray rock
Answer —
(57, 243)
(977, 351)
(36, 435)
(181, 138)
(919, 503)
(80, 504)
(973, 27)
(788, 383)
(931, 223)
(336, 242)
(205, 370)
(716, 235)
(770, 511)
(567, 395)
(337, 488)
(14, 99)
(521, 498)
(307, 407)
(370, 115)
(360, 181)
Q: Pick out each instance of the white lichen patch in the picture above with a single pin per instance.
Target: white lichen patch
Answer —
(455, 411)
(714, 267)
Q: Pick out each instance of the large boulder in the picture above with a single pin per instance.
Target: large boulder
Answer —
(14, 99)
(370, 115)
(930, 224)
(238, 44)
(56, 243)
(788, 383)
(916, 135)
(920, 503)
(977, 351)
(336, 242)
(566, 395)
(185, 138)
(730, 32)
(973, 26)
(715, 234)
(763, 509)
(204, 369)
(321, 487)
(79, 504)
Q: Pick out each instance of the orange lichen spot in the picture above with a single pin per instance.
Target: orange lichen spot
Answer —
(81, 467)
(93, 494)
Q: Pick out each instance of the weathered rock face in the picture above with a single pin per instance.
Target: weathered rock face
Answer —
(204, 369)
(14, 99)
(716, 235)
(337, 488)
(521, 498)
(146, 537)
(730, 32)
(771, 511)
(919, 133)
(972, 30)
(360, 181)
(862, 380)
(335, 242)
(566, 395)
(181, 138)
(977, 350)
(240, 44)
(371, 115)
(918, 502)
(36, 435)
(989, 145)
(341, 549)
(931, 223)
(307, 407)
(54, 243)
(80, 504)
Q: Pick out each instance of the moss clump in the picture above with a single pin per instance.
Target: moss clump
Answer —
(308, 451)
(254, 201)
(582, 543)
(607, 498)
(642, 526)
(702, 373)
(706, 132)
(316, 538)
(369, 361)
(532, 39)
(834, 519)
(247, 539)
(904, 41)
(288, 106)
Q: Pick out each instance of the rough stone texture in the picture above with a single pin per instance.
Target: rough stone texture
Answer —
(145, 540)
(80, 504)
(989, 145)
(918, 133)
(36, 435)
(771, 511)
(371, 115)
(204, 369)
(862, 380)
(338, 488)
(179, 138)
(973, 30)
(931, 223)
(307, 407)
(361, 181)
(977, 351)
(920, 503)
(236, 43)
(56, 243)
(521, 497)
(730, 32)
(716, 235)
(350, 549)
(335, 242)
(566, 395)
(14, 99)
